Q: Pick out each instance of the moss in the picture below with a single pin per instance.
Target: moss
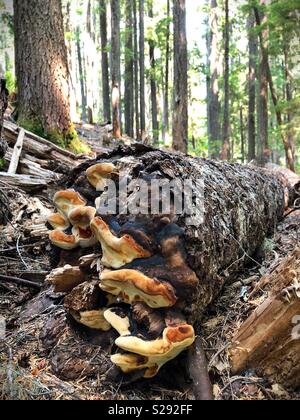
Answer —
(78, 146)
(2, 164)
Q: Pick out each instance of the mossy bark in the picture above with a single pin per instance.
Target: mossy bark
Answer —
(42, 70)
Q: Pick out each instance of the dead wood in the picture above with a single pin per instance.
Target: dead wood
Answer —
(269, 339)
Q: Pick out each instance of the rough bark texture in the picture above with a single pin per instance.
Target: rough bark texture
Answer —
(242, 205)
(253, 50)
(180, 106)
(142, 69)
(136, 70)
(166, 77)
(3, 106)
(225, 155)
(269, 340)
(104, 61)
(129, 72)
(214, 129)
(154, 105)
(42, 68)
(116, 66)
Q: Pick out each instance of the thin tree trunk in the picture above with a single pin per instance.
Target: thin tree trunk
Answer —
(136, 71)
(214, 107)
(268, 81)
(154, 105)
(243, 146)
(142, 69)
(289, 97)
(116, 66)
(104, 61)
(166, 125)
(253, 52)
(81, 77)
(226, 122)
(129, 71)
(42, 69)
(180, 107)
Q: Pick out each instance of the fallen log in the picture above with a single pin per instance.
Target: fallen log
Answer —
(3, 106)
(159, 271)
(39, 147)
(24, 182)
(15, 157)
(269, 340)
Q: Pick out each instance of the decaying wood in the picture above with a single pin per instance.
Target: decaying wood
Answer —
(14, 161)
(3, 106)
(65, 279)
(39, 147)
(269, 340)
(198, 371)
(25, 182)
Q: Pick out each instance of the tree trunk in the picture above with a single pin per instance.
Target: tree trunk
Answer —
(154, 105)
(166, 125)
(104, 61)
(142, 69)
(129, 71)
(253, 51)
(214, 129)
(186, 263)
(116, 66)
(225, 155)
(180, 106)
(136, 71)
(289, 97)
(3, 106)
(269, 341)
(42, 69)
(81, 77)
(242, 134)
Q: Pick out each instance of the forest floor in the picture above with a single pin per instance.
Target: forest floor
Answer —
(25, 371)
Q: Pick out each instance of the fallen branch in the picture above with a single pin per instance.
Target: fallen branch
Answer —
(14, 162)
(22, 282)
(198, 371)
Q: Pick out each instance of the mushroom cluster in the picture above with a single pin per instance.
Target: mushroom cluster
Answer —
(144, 284)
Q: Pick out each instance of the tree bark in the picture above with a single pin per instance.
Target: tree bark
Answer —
(225, 155)
(166, 124)
(42, 69)
(214, 107)
(81, 77)
(180, 105)
(104, 61)
(3, 106)
(116, 66)
(269, 341)
(142, 69)
(129, 71)
(154, 105)
(253, 52)
(136, 71)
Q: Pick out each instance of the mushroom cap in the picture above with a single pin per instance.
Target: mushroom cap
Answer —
(117, 252)
(152, 355)
(92, 319)
(62, 240)
(84, 236)
(58, 221)
(133, 286)
(97, 174)
(82, 216)
(118, 320)
(67, 200)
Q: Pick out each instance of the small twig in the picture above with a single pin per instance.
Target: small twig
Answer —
(20, 281)
(19, 253)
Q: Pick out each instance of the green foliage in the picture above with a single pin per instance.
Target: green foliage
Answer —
(10, 82)
(2, 164)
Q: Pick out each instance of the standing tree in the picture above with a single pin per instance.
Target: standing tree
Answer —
(129, 71)
(116, 66)
(253, 51)
(42, 69)
(81, 71)
(167, 73)
(3, 106)
(226, 122)
(180, 106)
(154, 105)
(104, 61)
(263, 99)
(136, 69)
(214, 106)
(142, 68)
